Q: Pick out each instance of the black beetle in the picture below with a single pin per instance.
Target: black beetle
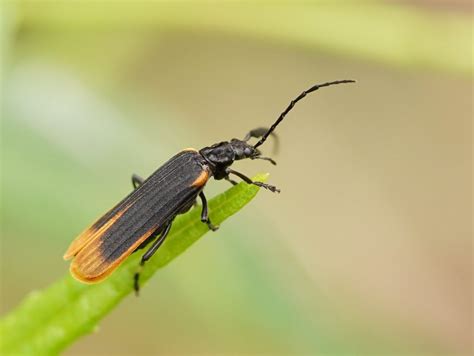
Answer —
(172, 189)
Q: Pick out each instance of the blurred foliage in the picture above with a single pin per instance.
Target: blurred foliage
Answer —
(388, 33)
(344, 261)
(47, 321)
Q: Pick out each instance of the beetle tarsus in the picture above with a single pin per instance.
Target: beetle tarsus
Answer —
(136, 285)
(271, 188)
(249, 181)
(136, 279)
(212, 227)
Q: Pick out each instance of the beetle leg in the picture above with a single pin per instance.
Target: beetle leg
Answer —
(137, 180)
(204, 214)
(256, 133)
(150, 252)
(231, 181)
(265, 159)
(249, 181)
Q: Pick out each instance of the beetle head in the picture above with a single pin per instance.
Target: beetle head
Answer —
(243, 150)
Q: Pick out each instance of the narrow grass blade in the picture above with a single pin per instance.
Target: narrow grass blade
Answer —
(47, 321)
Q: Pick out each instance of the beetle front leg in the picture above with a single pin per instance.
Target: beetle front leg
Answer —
(205, 214)
(249, 181)
(271, 160)
(137, 180)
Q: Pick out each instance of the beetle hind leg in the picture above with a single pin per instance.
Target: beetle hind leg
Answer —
(147, 255)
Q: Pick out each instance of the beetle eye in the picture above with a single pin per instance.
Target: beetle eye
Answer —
(247, 151)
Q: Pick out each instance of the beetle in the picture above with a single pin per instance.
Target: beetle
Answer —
(147, 213)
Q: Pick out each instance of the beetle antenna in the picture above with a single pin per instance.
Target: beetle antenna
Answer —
(293, 103)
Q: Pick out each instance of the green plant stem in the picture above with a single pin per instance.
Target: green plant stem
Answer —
(47, 321)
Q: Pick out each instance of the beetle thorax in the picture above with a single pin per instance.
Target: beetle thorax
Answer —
(221, 155)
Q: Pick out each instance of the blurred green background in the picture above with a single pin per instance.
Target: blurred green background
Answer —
(368, 249)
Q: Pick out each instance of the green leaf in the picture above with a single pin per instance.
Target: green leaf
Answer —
(48, 321)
